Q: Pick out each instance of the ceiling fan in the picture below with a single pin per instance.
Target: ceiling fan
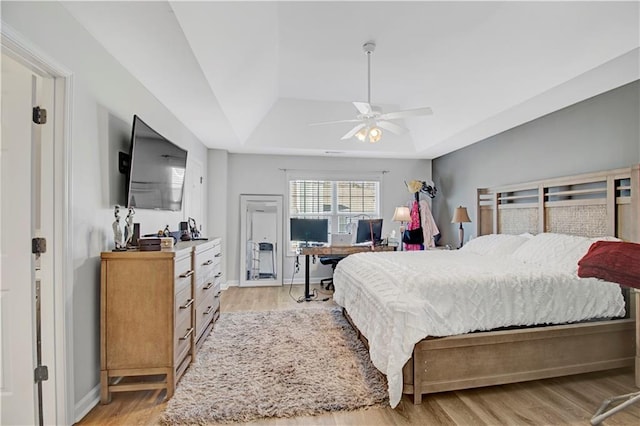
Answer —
(371, 120)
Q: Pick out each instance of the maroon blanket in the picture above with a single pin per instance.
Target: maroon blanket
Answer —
(614, 261)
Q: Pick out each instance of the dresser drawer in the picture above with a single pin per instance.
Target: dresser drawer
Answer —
(207, 264)
(183, 335)
(208, 285)
(205, 312)
(216, 300)
(183, 273)
(184, 305)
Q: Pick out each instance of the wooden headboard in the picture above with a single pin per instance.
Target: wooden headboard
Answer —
(592, 205)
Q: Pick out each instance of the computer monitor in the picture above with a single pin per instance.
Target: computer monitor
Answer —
(309, 230)
(369, 230)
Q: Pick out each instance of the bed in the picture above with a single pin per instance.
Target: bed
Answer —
(509, 306)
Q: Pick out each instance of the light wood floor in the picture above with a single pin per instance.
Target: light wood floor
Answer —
(568, 401)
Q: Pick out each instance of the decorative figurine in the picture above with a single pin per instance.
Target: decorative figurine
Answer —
(193, 228)
(128, 231)
(117, 231)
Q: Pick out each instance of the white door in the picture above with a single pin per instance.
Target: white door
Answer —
(26, 173)
(194, 194)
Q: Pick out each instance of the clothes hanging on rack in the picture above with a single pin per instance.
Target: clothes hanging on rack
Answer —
(414, 224)
(429, 227)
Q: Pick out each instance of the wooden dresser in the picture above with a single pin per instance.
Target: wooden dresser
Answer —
(208, 277)
(156, 308)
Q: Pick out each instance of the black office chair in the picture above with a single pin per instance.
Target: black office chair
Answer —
(333, 261)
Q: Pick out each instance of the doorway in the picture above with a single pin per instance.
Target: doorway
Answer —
(34, 204)
(27, 280)
(260, 240)
(194, 195)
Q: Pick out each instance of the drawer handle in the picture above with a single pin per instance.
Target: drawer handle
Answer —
(208, 262)
(186, 305)
(186, 274)
(208, 311)
(218, 275)
(208, 286)
(218, 255)
(217, 295)
(186, 336)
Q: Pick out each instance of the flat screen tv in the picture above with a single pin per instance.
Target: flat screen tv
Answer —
(157, 170)
(309, 230)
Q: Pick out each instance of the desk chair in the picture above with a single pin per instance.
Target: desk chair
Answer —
(333, 261)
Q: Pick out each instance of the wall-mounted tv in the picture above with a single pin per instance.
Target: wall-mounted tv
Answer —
(157, 170)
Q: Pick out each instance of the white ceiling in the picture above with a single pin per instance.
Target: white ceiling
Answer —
(250, 76)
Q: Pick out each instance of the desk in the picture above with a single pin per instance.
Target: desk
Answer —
(333, 251)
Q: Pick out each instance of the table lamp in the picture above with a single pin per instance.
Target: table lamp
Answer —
(460, 216)
(402, 215)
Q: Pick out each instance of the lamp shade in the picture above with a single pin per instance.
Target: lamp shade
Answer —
(402, 214)
(460, 215)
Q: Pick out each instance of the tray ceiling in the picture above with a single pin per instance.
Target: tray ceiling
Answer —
(250, 76)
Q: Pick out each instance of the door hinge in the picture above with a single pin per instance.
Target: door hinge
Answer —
(41, 373)
(38, 245)
(200, 179)
(39, 115)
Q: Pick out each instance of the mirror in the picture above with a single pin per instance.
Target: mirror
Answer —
(260, 240)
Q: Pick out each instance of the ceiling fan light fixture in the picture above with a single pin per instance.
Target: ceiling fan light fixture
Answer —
(370, 133)
(362, 134)
(375, 133)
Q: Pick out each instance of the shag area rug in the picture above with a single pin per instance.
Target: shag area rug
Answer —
(277, 364)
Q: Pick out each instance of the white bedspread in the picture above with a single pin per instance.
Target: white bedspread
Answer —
(397, 299)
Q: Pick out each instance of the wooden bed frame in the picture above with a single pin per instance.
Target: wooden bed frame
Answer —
(594, 204)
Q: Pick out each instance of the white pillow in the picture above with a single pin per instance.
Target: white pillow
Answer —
(557, 251)
(605, 239)
(494, 244)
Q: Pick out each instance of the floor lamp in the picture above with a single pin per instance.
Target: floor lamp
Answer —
(460, 216)
(402, 215)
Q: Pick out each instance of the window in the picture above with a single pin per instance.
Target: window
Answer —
(340, 200)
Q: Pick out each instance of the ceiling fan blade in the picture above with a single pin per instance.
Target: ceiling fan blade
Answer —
(392, 127)
(353, 131)
(355, 120)
(363, 107)
(407, 113)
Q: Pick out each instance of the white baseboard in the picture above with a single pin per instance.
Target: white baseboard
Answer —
(90, 400)
(233, 283)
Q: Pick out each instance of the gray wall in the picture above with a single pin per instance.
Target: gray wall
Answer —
(105, 97)
(599, 133)
(262, 174)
